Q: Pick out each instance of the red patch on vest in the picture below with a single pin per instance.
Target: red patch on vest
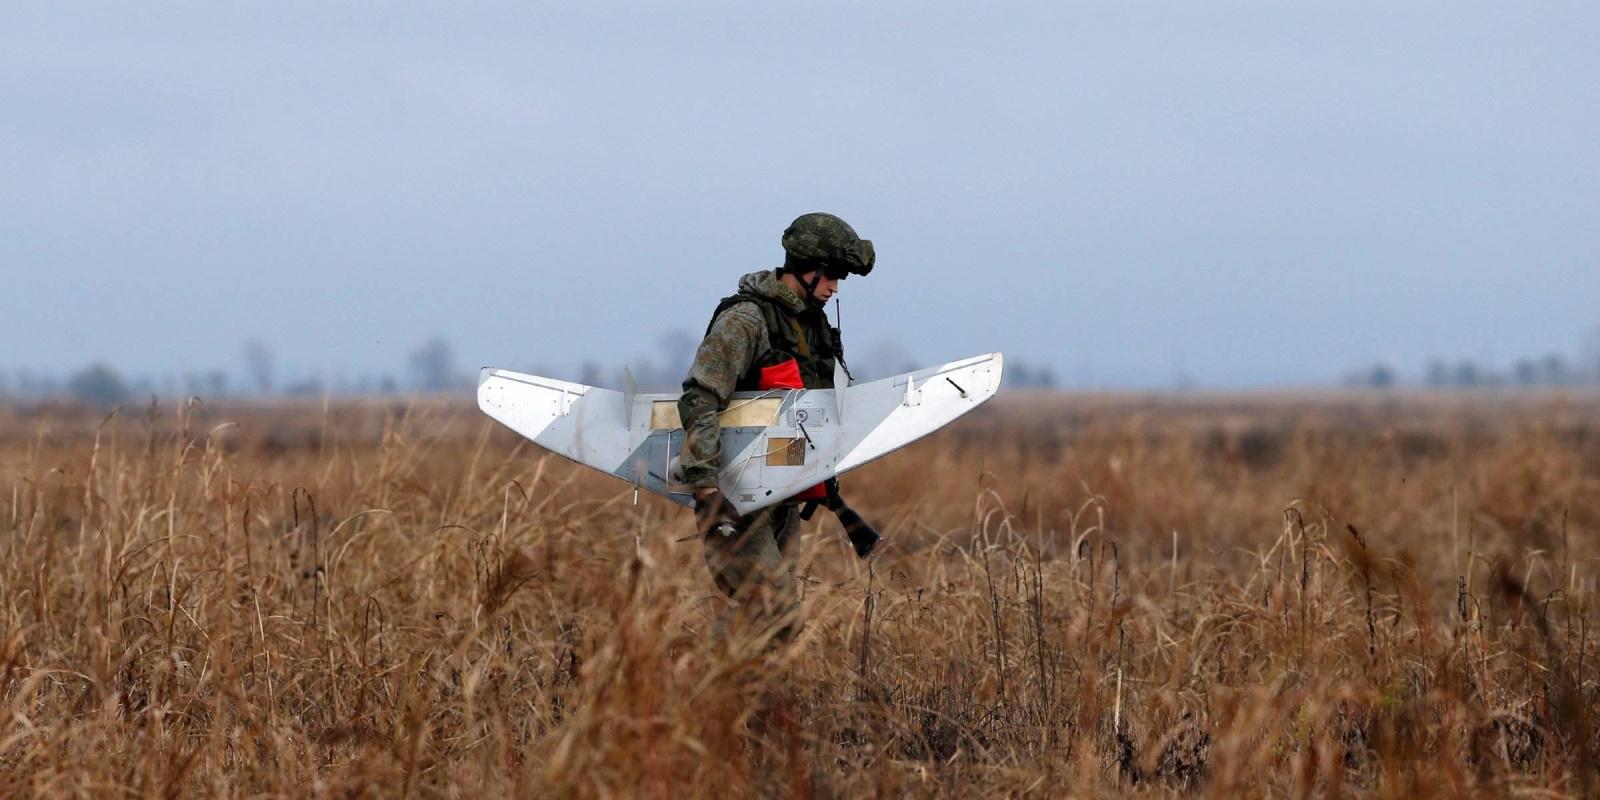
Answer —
(783, 375)
(818, 493)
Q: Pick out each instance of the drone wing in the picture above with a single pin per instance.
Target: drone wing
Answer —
(888, 414)
(583, 423)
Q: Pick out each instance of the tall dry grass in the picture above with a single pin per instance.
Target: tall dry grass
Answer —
(1218, 597)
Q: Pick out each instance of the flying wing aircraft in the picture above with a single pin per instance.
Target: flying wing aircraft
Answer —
(775, 443)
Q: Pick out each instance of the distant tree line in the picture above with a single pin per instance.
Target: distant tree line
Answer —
(1020, 374)
(1550, 370)
(431, 367)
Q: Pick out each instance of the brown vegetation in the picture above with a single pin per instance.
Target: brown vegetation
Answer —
(1217, 597)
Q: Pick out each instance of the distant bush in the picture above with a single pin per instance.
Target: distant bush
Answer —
(98, 384)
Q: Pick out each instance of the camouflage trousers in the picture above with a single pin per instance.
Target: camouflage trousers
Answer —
(753, 564)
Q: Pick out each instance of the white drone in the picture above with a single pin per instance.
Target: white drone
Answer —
(775, 443)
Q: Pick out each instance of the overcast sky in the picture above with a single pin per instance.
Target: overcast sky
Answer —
(1253, 193)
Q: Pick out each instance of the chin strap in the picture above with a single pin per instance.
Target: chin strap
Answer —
(811, 286)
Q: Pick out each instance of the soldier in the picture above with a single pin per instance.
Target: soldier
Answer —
(772, 334)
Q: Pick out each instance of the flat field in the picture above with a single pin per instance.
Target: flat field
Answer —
(1213, 596)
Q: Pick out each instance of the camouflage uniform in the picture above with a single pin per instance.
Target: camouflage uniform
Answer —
(754, 564)
(764, 324)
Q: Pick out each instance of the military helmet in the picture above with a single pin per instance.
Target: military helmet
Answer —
(825, 242)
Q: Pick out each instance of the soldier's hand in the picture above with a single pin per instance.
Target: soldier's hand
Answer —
(711, 510)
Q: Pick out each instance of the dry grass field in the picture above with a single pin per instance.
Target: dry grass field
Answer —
(1218, 597)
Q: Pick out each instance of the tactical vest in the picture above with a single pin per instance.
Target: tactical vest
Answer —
(807, 338)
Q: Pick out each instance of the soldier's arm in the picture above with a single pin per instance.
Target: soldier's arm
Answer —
(734, 342)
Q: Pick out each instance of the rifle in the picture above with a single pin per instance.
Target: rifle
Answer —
(863, 537)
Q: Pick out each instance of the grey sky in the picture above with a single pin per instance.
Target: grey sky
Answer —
(1262, 192)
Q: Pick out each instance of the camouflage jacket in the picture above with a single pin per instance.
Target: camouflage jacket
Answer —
(764, 324)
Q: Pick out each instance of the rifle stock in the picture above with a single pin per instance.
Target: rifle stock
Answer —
(863, 537)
